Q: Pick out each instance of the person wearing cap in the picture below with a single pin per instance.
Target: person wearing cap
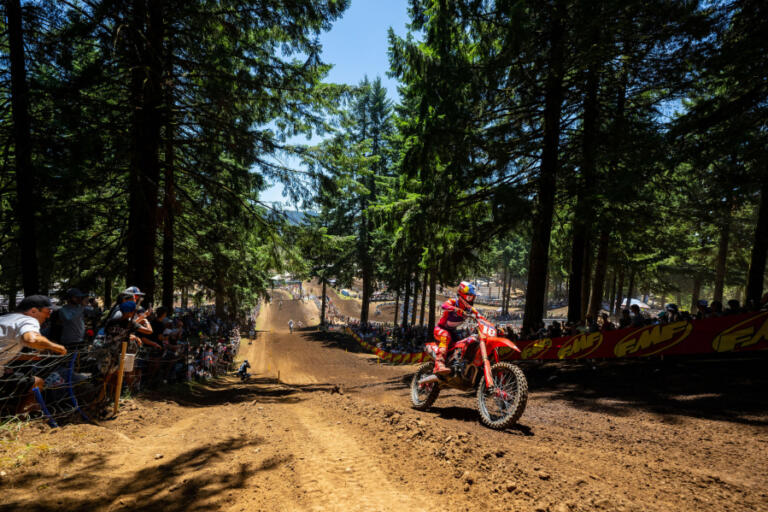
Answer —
(18, 330)
(134, 292)
(131, 294)
(121, 326)
(71, 318)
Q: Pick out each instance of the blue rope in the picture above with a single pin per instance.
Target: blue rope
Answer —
(72, 391)
(39, 397)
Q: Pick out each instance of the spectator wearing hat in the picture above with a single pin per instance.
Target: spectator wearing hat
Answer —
(122, 325)
(71, 317)
(19, 330)
(132, 293)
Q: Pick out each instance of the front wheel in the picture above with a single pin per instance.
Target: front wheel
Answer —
(503, 405)
(424, 395)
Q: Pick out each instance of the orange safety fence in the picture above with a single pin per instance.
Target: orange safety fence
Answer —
(390, 357)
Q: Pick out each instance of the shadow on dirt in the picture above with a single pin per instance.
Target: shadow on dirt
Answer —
(171, 485)
(230, 391)
(470, 415)
(717, 388)
(333, 339)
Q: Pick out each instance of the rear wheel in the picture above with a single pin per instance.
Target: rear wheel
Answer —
(424, 395)
(503, 405)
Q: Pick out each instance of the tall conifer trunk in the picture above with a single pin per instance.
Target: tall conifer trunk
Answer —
(504, 290)
(695, 293)
(722, 257)
(425, 280)
(415, 300)
(397, 305)
(619, 290)
(432, 301)
(601, 265)
(407, 297)
(322, 303)
(535, 295)
(146, 102)
(756, 274)
(26, 199)
(631, 288)
(586, 277)
(169, 194)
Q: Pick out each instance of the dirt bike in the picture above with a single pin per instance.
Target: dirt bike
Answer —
(502, 391)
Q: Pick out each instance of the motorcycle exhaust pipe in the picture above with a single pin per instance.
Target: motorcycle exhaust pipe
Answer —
(428, 379)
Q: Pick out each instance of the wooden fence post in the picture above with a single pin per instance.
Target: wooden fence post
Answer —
(119, 386)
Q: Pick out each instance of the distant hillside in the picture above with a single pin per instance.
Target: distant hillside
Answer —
(296, 217)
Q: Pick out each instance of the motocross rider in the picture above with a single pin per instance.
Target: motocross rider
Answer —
(455, 312)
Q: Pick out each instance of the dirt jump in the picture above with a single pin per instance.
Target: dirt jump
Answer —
(323, 426)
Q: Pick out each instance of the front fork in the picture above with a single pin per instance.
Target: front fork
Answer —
(486, 366)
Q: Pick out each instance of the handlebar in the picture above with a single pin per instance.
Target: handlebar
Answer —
(476, 316)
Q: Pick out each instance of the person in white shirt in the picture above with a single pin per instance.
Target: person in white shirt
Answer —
(18, 330)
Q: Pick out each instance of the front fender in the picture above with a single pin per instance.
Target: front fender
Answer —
(496, 342)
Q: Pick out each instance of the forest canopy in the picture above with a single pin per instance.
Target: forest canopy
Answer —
(582, 151)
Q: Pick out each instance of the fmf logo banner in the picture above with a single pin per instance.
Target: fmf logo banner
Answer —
(735, 333)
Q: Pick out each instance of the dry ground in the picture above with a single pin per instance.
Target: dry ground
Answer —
(336, 433)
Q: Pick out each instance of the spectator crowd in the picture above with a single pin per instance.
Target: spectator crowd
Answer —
(65, 359)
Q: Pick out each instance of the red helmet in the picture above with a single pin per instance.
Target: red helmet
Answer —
(467, 292)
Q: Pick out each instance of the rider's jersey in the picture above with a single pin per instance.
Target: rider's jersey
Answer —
(451, 317)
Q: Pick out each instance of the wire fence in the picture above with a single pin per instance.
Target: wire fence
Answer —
(81, 385)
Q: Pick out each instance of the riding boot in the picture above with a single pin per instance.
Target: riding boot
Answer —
(440, 368)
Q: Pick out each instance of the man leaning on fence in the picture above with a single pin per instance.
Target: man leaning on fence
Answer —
(18, 330)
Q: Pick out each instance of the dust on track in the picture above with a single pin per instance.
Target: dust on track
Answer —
(336, 433)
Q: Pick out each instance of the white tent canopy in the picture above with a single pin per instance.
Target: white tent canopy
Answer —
(640, 304)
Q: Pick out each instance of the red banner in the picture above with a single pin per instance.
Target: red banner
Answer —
(735, 333)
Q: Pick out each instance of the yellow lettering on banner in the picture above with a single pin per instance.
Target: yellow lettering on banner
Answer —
(579, 344)
(536, 348)
(651, 337)
(761, 334)
(741, 338)
(729, 341)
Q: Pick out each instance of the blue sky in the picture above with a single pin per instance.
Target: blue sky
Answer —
(357, 46)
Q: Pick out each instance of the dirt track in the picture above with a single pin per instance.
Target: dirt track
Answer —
(337, 433)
